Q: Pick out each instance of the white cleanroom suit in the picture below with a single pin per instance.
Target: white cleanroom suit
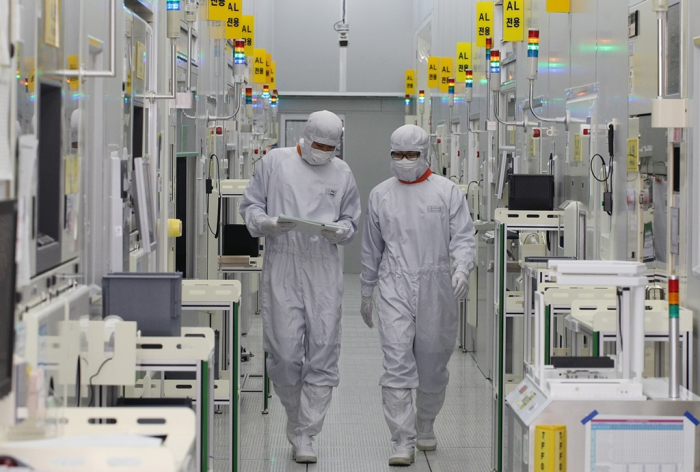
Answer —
(416, 222)
(302, 280)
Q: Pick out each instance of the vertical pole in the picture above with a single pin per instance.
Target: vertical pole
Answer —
(266, 387)
(673, 322)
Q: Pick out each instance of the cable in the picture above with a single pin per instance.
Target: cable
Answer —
(92, 393)
(218, 211)
(606, 176)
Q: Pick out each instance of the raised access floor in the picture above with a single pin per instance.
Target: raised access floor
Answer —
(355, 436)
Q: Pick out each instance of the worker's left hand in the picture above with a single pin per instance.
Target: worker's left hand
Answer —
(334, 236)
(460, 284)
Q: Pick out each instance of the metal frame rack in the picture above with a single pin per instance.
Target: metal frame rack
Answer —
(518, 221)
(234, 188)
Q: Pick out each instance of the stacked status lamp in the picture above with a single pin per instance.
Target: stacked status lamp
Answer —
(273, 103)
(469, 85)
(489, 45)
(495, 68)
(407, 103)
(673, 332)
(249, 102)
(239, 60)
(421, 101)
(451, 91)
(533, 52)
(266, 96)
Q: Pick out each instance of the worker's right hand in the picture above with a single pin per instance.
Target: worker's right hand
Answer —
(366, 310)
(270, 227)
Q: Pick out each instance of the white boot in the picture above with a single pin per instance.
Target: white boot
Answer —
(303, 450)
(290, 397)
(402, 457)
(399, 415)
(426, 440)
(428, 405)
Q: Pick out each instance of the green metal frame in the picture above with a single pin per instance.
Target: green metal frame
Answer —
(547, 334)
(595, 346)
(235, 375)
(266, 387)
(204, 425)
(501, 344)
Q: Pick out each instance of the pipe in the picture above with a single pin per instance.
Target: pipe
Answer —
(661, 54)
(562, 120)
(504, 123)
(173, 77)
(673, 331)
(469, 121)
(112, 72)
(189, 58)
(232, 115)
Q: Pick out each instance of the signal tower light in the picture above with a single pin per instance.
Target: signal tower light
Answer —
(489, 45)
(469, 84)
(266, 91)
(421, 102)
(533, 52)
(249, 102)
(407, 102)
(239, 60)
(451, 91)
(495, 71)
(239, 52)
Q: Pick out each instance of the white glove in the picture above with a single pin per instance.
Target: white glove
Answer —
(461, 285)
(270, 227)
(334, 236)
(366, 310)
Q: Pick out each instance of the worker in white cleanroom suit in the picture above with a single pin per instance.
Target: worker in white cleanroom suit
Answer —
(302, 279)
(416, 222)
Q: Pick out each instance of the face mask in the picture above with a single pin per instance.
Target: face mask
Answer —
(409, 171)
(321, 157)
(405, 164)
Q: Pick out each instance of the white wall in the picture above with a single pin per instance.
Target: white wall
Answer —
(307, 52)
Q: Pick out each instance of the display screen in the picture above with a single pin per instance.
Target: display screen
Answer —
(8, 231)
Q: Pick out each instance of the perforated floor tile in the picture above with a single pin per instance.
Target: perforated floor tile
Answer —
(355, 436)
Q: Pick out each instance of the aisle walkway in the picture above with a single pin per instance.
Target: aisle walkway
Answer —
(355, 437)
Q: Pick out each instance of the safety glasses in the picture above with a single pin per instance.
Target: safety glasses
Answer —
(411, 156)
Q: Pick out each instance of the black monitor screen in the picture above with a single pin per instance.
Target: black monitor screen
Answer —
(531, 192)
(8, 231)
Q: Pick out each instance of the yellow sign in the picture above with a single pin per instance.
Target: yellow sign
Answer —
(140, 60)
(484, 22)
(233, 27)
(560, 448)
(52, 23)
(259, 66)
(513, 20)
(248, 32)
(71, 180)
(268, 67)
(28, 68)
(73, 82)
(221, 10)
(273, 75)
(544, 448)
(577, 147)
(558, 6)
(464, 60)
(128, 81)
(633, 155)
(446, 72)
(411, 81)
(433, 72)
